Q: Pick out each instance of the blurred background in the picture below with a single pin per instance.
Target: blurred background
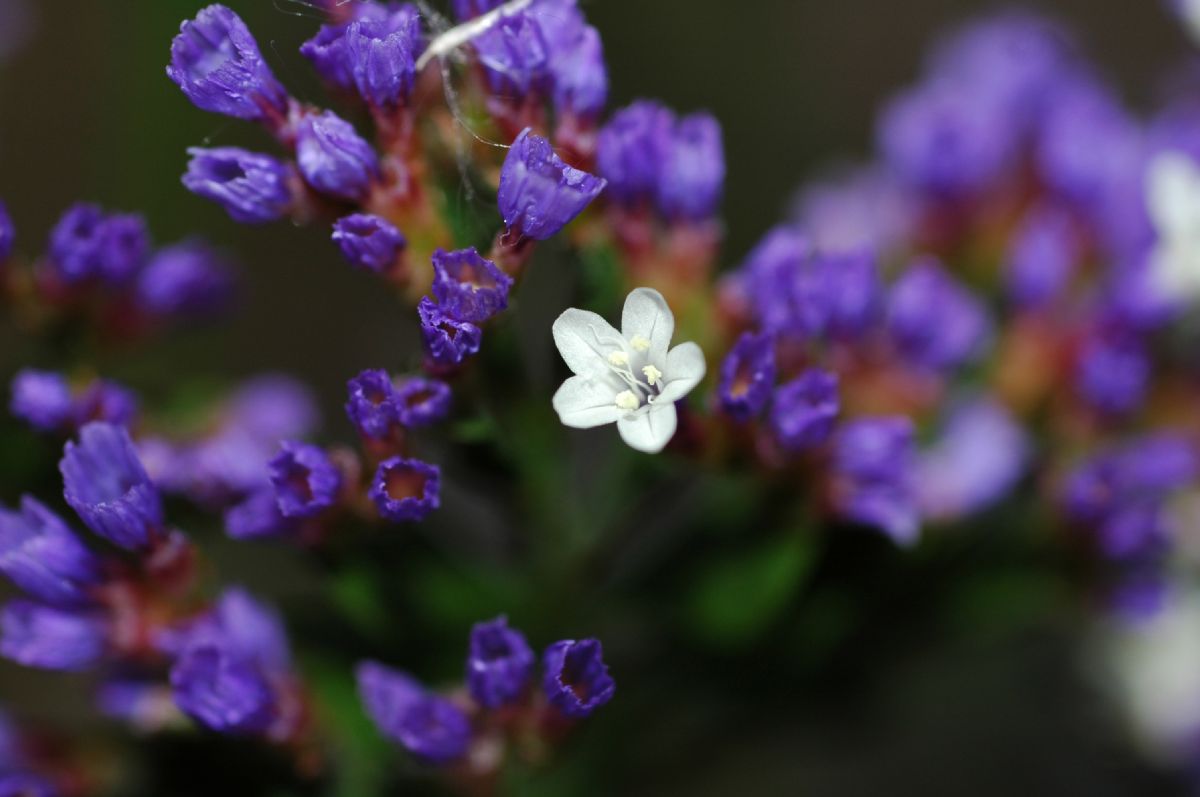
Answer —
(921, 699)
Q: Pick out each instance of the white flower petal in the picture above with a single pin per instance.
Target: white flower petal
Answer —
(1173, 195)
(583, 402)
(685, 369)
(649, 430)
(647, 315)
(579, 335)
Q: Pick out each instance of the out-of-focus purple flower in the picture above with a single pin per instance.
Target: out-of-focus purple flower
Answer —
(421, 402)
(779, 283)
(272, 407)
(430, 727)
(188, 279)
(804, 410)
(935, 321)
(51, 638)
(747, 377)
(579, 72)
(515, 58)
(248, 628)
(306, 481)
(24, 784)
(499, 663)
(88, 244)
(8, 233)
(576, 679)
(693, 175)
(852, 291)
(539, 194)
(368, 242)
(469, 287)
(447, 340)
(406, 489)
(1042, 256)
(42, 399)
(221, 691)
(946, 139)
(874, 462)
(382, 55)
(42, 556)
(257, 517)
(1139, 596)
(865, 209)
(371, 404)
(333, 157)
(217, 63)
(980, 455)
(469, 9)
(1112, 373)
(104, 400)
(253, 188)
(632, 149)
(105, 483)
(145, 705)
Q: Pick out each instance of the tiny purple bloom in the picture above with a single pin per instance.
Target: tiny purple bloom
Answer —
(306, 481)
(406, 489)
(188, 279)
(579, 73)
(222, 691)
(515, 57)
(632, 149)
(539, 194)
(693, 175)
(934, 320)
(334, 158)
(428, 726)
(576, 679)
(327, 50)
(447, 340)
(256, 517)
(469, 9)
(469, 287)
(253, 188)
(42, 399)
(368, 242)
(87, 244)
(421, 402)
(51, 638)
(1042, 256)
(499, 663)
(804, 410)
(105, 483)
(43, 557)
(371, 403)
(217, 63)
(382, 56)
(853, 293)
(24, 784)
(1113, 373)
(747, 377)
(875, 463)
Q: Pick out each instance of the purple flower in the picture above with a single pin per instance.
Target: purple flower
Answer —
(1113, 373)
(499, 663)
(106, 401)
(8, 233)
(693, 176)
(24, 784)
(328, 50)
(1042, 256)
(216, 62)
(576, 679)
(935, 321)
(42, 556)
(271, 407)
(406, 489)
(874, 460)
(539, 194)
(865, 208)
(306, 481)
(579, 74)
(105, 483)
(468, 287)
(447, 340)
(430, 727)
(368, 242)
(257, 517)
(980, 455)
(42, 399)
(222, 691)
(421, 402)
(371, 405)
(849, 284)
(515, 57)
(188, 279)
(51, 638)
(469, 9)
(786, 292)
(382, 56)
(747, 377)
(253, 188)
(246, 628)
(334, 158)
(87, 244)
(632, 149)
(804, 410)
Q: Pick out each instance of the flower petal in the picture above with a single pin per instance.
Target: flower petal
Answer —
(646, 314)
(650, 430)
(580, 336)
(685, 369)
(1173, 194)
(584, 402)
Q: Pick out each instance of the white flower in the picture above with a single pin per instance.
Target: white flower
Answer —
(628, 377)
(1189, 12)
(1173, 201)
